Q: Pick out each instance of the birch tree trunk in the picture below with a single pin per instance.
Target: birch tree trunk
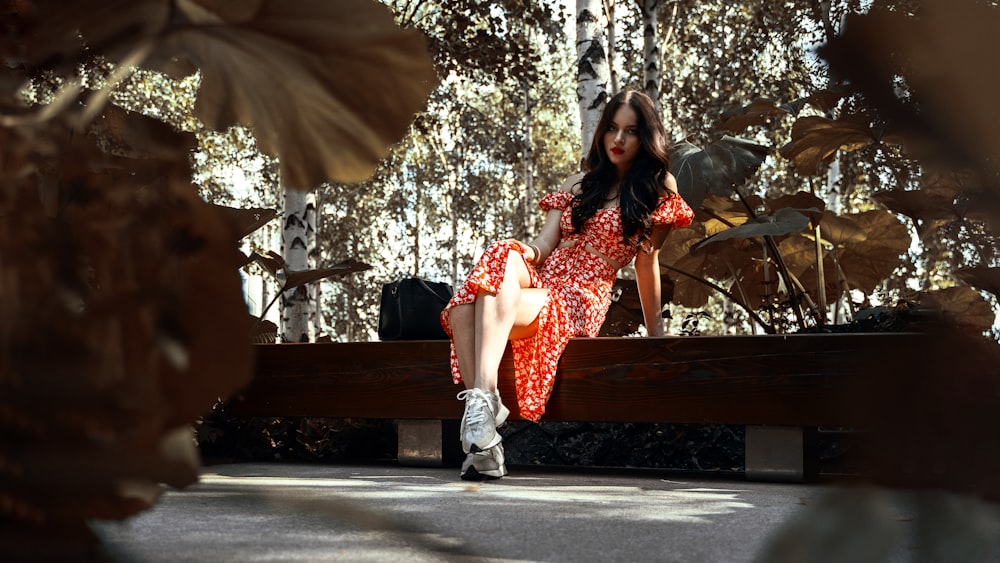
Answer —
(296, 304)
(592, 70)
(652, 52)
(609, 12)
(312, 261)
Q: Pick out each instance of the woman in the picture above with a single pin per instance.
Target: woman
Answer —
(541, 294)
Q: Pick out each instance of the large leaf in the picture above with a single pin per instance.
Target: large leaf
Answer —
(53, 28)
(947, 58)
(803, 201)
(129, 134)
(248, 220)
(867, 247)
(783, 222)
(717, 169)
(759, 112)
(816, 139)
(719, 213)
(764, 111)
(837, 230)
(275, 265)
(799, 254)
(925, 209)
(715, 266)
(867, 263)
(982, 277)
(757, 283)
(934, 204)
(325, 86)
(295, 279)
(962, 306)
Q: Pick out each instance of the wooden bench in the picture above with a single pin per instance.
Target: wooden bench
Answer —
(778, 386)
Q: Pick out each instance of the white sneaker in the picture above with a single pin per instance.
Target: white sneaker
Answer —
(484, 412)
(487, 464)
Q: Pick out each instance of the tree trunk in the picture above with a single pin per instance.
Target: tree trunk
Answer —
(669, 27)
(651, 49)
(528, 224)
(417, 211)
(592, 70)
(453, 182)
(609, 13)
(296, 304)
(315, 289)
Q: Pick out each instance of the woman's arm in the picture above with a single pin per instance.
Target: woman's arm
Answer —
(550, 235)
(647, 277)
(647, 271)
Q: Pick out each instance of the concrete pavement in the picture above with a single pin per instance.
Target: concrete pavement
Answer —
(291, 512)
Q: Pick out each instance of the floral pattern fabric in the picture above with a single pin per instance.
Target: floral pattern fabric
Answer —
(579, 283)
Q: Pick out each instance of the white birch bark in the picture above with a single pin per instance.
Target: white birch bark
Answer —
(592, 69)
(651, 50)
(312, 262)
(296, 303)
(609, 13)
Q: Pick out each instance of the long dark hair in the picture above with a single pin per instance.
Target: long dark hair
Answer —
(642, 187)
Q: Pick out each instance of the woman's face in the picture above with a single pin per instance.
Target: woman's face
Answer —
(621, 140)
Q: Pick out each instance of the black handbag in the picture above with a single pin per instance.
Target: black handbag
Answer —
(410, 309)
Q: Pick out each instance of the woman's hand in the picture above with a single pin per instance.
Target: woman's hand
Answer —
(518, 245)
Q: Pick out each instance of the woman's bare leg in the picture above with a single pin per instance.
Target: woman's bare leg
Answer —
(463, 330)
(469, 320)
(496, 316)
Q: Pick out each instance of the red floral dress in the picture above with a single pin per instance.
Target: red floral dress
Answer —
(579, 283)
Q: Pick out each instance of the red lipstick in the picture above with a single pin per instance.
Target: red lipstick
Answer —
(618, 150)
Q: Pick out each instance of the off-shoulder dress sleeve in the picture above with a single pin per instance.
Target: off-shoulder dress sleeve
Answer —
(556, 200)
(673, 211)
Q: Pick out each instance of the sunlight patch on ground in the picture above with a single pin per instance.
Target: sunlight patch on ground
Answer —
(668, 503)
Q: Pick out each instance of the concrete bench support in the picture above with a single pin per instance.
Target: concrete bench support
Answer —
(431, 443)
(775, 453)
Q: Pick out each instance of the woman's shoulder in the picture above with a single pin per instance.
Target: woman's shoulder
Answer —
(669, 186)
(561, 198)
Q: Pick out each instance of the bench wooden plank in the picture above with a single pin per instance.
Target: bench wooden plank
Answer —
(788, 380)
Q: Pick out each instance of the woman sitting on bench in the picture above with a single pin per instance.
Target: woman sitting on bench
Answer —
(539, 295)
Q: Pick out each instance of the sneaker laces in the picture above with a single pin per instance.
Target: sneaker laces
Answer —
(476, 407)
